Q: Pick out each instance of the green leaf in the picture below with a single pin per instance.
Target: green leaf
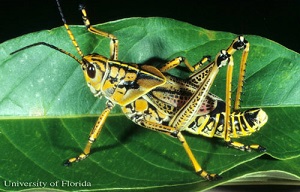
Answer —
(47, 112)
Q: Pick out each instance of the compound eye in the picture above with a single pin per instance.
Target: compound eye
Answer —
(91, 71)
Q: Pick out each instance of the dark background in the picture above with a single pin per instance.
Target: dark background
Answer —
(275, 20)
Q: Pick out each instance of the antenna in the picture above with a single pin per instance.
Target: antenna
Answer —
(68, 29)
(56, 48)
(52, 47)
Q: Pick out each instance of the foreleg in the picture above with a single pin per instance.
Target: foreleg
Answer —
(93, 135)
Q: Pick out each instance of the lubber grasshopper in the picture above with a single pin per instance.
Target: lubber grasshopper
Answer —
(154, 99)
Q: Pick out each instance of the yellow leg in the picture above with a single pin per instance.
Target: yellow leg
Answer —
(114, 43)
(197, 167)
(170, 131)
(241, 80)
(244, 147)
(237, 44)
(93, 135)
(227, 139)
(228, 98)
(183, 117)
(175, 62)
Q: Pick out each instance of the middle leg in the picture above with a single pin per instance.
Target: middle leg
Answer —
(170, 131)
(175, 62)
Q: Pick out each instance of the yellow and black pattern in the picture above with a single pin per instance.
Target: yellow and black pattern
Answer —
(125, 83)
(142, 110)
(241, 123)
(119, 82)
(161, 103)
(171, 96)
(156, 100)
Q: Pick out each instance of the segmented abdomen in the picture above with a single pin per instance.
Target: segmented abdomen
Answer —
(241, 123)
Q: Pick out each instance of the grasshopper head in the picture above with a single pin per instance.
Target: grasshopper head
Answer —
(94, 68)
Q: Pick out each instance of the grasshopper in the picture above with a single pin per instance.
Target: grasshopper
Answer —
(154, 99)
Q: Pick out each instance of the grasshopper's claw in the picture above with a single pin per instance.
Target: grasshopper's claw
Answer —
(69, 162)
(209, 177)
(213, 177)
